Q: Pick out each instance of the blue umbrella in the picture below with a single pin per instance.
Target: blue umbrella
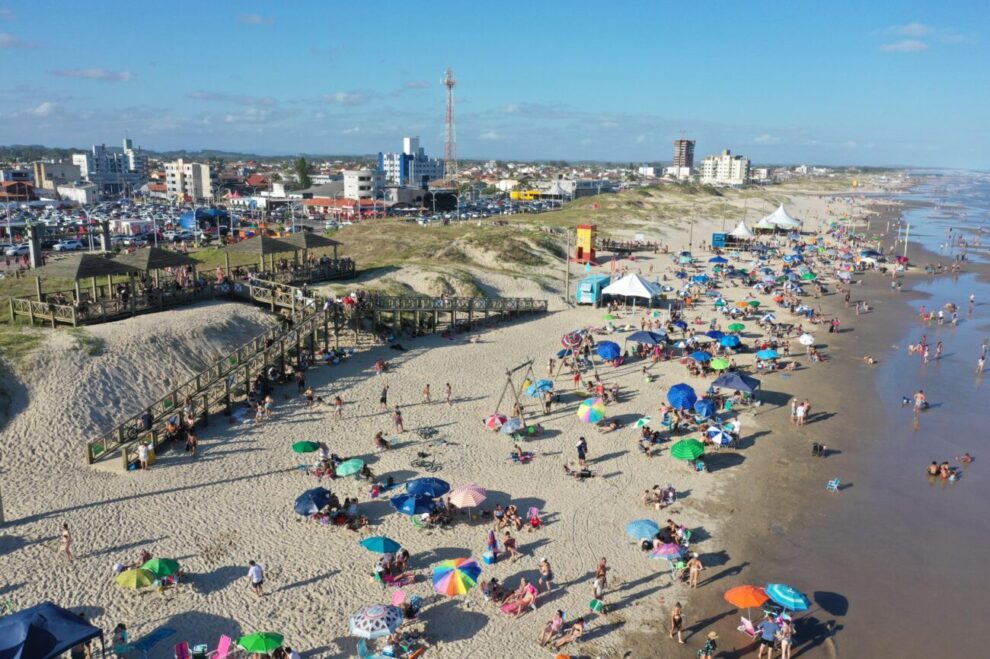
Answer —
(642, 528)
(608, 350)
(312, 501)
(428, 487)
(682, 396)
(540, 388)
(737, 382)
(718, 259)
(769, 353)
(788, 597)
(412, 504)
(704, 408)
(715, 334)
(730, 341)
(700, 356)
(651, 338)
(680, 324)
(680, 274)
(701, 279)
(380, 544)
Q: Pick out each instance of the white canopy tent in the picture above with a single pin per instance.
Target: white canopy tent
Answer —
(634, 286)
(781, 219)
(742, 232)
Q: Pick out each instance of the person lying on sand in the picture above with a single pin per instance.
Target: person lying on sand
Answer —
(575, 632)
(579, 474)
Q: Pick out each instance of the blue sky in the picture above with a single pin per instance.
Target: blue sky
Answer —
(833, 82)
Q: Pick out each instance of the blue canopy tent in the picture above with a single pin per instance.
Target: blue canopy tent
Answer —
(214, 217)
(649, 338)
(737, 382)
(44, 631)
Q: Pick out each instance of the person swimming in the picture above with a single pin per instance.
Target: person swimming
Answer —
(966, 458)
(933, 469)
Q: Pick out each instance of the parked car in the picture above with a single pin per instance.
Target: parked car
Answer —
(18, 250)
(68, 246)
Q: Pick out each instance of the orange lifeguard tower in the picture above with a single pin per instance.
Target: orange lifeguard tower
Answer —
(585, 245)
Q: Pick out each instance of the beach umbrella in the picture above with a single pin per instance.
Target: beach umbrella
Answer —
(591, 410)
(769, 318)
(736, 327)
(350, 467)
(162, 567)
(682, 396)
(608, 350)
(379, 544)
(412, 504)
(737, 382)
(687, 449)
(701, 356)
(642, 528)
(136, 578)
(809, 276)
(261, 642)
(680, 274)
(746, 597)
(788, 597)
(655, 314)
(456, 576)
(719, 364)
(468, 496)
(680, 324)
(719, 437)
(650, 338)
(719, 303)
(539, 388)
(668, 551)
(312, 501)
(806, 340)
(768, 353)
(704, 408)
(754, 303)
(495, 421)
(700, 279)
(685, 259)
(718, 259)
(306, 447)
(428, 487)
(645, 421)
(742, 305)
(730, 341)
(376, 621)
(714, 334)
(572, 339)
(608, 316)
(513, 425)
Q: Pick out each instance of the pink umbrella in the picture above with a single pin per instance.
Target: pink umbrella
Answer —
(468, 496)
(669, 551)
(495, 421)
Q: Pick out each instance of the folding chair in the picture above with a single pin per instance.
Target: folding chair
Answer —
(182, 650)
(833, 485)
(223, 648)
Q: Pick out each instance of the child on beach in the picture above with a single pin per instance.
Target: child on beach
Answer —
(397, 420)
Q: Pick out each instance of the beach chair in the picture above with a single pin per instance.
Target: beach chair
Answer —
(223, 648)
(833, 485)
(747, 628)
(182, 650)
(418, 523)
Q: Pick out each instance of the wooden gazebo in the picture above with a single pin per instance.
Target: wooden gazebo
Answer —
(156, 259)
(307, 240)
(84, 266)
(260, 247)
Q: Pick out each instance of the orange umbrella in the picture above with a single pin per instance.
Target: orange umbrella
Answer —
(746, 597)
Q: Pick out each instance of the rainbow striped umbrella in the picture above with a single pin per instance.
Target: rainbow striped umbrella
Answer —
(495, 421)
(668, 551)
(591, 410)
(456, 576)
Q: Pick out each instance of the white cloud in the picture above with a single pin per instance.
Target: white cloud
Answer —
(489, 135)
(104, 75)
(354, 130)
(249, 116)
(905, 46)
(8, 40)
(255, 19)
(910, 30)
(766, 138)
(347, 98)
(45, 109)
(222, 97)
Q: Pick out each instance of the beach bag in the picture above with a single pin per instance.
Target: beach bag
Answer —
(488, 557)
(596, 605)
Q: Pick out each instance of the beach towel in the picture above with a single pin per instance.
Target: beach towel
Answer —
(154, 638)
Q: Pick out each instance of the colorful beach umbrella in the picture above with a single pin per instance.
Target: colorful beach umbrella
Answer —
(591, 410)
(718, 436)
(136, 578)
(644, 421)
(380, 544)
(687, 449)
(495, 421)
(412, 504)
(788, 597)
(667, 551)
(468, 496)
(456, 576)
(736, 327)
(513, 425)
(306, 447)
(428, 487)
(642, 529)
(375, 621)
(608, 350)
(312, 501)
(719, 364)
(539, 388)
(682, 396)
(261, 642)
(350, 467)
(162, 567)
(768, 353)
(746, 597)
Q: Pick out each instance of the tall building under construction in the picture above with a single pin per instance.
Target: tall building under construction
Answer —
(683, 153)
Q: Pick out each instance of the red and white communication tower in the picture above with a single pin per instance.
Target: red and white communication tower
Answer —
(450, 138)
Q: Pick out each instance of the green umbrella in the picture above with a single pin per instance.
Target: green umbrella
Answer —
(162, 567)
(720, 303)
(260, 642)
(753, 303)
(736, 327)
(306, 447)
(608, 316)
(809, 276)
(687, 449)
(135, 579)
(719, 364)
(350, 467)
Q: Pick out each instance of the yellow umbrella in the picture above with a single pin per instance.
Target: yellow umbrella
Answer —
(135, 579)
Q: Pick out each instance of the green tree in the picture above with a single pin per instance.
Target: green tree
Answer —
(302, 173)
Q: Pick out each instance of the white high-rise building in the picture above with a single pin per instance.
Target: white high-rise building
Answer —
(113, 170)
(724, 169)
(188, 181)
(410, 167)
(362, 183)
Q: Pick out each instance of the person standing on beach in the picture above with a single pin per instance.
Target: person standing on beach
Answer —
(338, 408)
(676, 623)
(707, 651)
(449, 394)
(919, 400)
(794, 406)
(582, 451)
(383, 398)
(601, 578)
(980, 363)
(426, 394)
(938, 350)
(143, 455)
(397, 420)
(65, 541)
(768, 635)
(256, 577)
(547, 401)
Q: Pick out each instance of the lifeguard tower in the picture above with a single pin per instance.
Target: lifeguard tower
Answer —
(585, 245)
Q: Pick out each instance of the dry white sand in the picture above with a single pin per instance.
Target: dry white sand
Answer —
(233, 502)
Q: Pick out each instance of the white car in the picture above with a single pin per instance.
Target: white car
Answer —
(67, 246)
(18, 250)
